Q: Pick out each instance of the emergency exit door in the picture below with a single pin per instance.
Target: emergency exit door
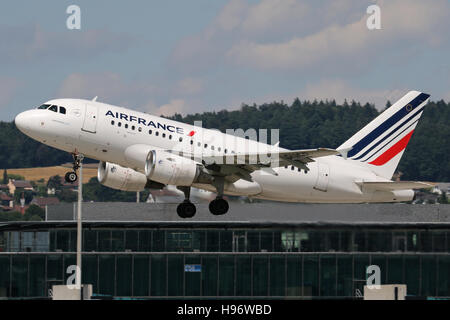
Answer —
(90, 118)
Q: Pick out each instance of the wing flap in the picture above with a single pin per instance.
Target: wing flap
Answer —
(395, 185)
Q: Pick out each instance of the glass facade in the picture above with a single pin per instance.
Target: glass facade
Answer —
(219, 262)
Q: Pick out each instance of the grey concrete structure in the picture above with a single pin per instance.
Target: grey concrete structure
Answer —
(265, 212)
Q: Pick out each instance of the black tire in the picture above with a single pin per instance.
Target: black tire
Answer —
(71, 177)
(218, 207)
(186, 210)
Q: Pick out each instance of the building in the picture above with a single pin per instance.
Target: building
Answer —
(260, 250)
(44, 201)
(19, 184)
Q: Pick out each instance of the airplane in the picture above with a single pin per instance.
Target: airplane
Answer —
(137, 151)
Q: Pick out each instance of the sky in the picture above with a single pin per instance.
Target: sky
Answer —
(168, 56)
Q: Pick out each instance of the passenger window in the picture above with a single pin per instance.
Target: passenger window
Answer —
(181, 139)
(206, 145)
(170, 137)
(218, 149)
(226, 151)
(192, 141)
(149, 131)
(119, 124)
(126, 125)
(62, 110)
(53, 108)
(133, 127)
(199, 144)
(140, 129)
(112, 122)
(163, 135)
(156, 133)
(212, 148)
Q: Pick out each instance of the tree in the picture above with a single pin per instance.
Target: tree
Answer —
(443, 197)
(67, 195)
(11, 216)
(5, 177)
(34, 211)
(54, 182)
(28, 195)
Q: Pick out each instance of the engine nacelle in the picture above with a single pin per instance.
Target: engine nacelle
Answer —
(117, 177)
(168, 168)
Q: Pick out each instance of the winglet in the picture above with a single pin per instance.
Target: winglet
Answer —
(344, 152)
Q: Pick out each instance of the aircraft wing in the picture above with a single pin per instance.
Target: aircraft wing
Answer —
(395, 185)
(241, 165)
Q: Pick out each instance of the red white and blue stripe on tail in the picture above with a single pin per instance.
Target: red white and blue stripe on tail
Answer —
(385, 138)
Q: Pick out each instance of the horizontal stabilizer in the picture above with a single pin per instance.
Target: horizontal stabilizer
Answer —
(395, 185)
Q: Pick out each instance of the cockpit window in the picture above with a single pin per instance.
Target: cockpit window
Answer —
(62, 110)
(44, 106)
(53, 108)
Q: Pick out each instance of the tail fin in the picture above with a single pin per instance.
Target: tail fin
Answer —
(381, 143)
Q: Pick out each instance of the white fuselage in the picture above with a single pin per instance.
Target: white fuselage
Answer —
(92, 128)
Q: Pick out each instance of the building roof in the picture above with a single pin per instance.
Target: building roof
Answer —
(5, 197)
(22, 184)
(44, 201)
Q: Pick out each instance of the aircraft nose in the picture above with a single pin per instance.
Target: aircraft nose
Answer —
(22, 122)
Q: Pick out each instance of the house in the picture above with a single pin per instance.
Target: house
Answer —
(6, 201)
(43, 202)
(13, 185)
(51, 190)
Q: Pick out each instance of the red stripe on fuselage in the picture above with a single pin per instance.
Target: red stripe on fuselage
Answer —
(392, 151)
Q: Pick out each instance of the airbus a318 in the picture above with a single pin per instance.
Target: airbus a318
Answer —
(137, 151)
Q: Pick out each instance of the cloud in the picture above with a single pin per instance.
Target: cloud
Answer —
(134, 94)
(8, 87)
(407, 20)
(174, 106)
(23, 44)
(284, 35)
(189, 86)
(341, 90)
(109, 87)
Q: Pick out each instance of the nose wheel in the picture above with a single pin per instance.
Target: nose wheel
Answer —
(72, 176)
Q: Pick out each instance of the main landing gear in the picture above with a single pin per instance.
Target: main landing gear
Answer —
(72, 176)
(186, 209)
(219, 206)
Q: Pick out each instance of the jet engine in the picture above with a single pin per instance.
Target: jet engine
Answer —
(117, 177)
(168, 168)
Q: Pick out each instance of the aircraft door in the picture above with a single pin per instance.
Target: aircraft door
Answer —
(90, 118)
(323, 172)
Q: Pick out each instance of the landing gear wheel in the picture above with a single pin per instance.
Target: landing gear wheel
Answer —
(71, 177)
(218, 206)
(186, 209)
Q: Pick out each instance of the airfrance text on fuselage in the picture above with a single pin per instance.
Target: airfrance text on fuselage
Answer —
(138, 120)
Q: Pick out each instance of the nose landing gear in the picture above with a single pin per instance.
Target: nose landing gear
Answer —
(72, 176)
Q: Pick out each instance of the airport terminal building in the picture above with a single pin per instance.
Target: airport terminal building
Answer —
(261, 250)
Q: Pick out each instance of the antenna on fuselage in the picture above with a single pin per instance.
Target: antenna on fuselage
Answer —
(95, 99)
